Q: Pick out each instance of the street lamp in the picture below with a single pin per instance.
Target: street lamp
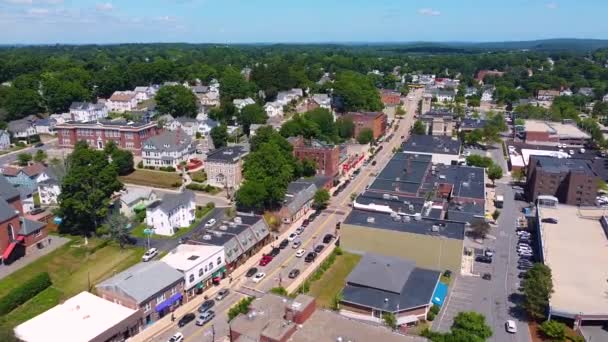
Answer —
(147, 233)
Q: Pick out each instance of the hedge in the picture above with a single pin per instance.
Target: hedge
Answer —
(24, 292)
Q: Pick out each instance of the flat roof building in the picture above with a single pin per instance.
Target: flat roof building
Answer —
(552, 133)
(443, 149)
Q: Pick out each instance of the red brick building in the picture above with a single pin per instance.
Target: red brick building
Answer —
(127, 135)
(376, 121)
(390, 97)
(326, 156)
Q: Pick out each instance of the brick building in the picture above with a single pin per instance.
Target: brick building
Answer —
(225, 166)
(127, 135)
(572, 181)
(376, 121)
(325, 155)
(390, 97)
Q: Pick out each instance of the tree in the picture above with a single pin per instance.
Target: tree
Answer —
(86, 190)
(345, 127)
(390, 320)
(494, 173)
(335, 301)
(471, 324)
(219, 135)
(123, 160)
(252, 114)
(40, 156)
(399, 111)
(118, 227)
(554, 330)
(357, 91)
(321, 198)
(480, 229)
(474, 137)
(537, 288)
(419, 128)
(23, 159)
(309, 167)
(234, 85)
(479, 161)
(518, 175)
(251, 195)
(176, 100)
(366, 136)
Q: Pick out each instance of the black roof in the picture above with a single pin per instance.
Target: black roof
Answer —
(425, 226)
(229, 154)
(468, 181)
(472, 123)
(403, 173)
(465, 212)
(432, 144)
(562, 165)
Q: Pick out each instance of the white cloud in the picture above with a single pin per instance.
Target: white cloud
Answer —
(429, 11)
(37, 11)
(104, 7)
(551, 5)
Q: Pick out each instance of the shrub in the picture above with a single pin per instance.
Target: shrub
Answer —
(210, 205)
(431, 316)
(241, 307)
(495, 214)
(167, 169)
(435, 309)
(279, 290)
(24, 292)
(140, 216)
(554, 330)
(140, 165)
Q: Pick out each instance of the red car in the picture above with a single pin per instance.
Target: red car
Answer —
(266, 259)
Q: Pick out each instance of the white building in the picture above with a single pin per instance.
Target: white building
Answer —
(122, 101)
(323, 100)
(23, 128)
(87, 111)
(242, 103)
(285, 97)
(273, 109)
(172, 212)
(189, 125)
(5, 140)
(48, 191)
(134, 199)
(605, 98)
(198, 263)
(144, 93)
(167, 149)
(487, 95)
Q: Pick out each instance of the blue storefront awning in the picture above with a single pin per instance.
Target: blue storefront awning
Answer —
(167, 303)
(440, 293)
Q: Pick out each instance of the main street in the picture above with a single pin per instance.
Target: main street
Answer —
(277, 270)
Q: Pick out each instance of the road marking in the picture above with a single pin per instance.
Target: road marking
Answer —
(224, 312)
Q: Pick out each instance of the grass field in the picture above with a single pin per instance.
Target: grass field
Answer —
(333, 280)
(73, 268)
(157, 179)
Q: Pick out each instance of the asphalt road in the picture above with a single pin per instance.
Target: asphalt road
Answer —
(313, 235)
(10, 158)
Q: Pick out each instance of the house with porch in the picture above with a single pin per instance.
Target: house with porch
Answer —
(174, 211)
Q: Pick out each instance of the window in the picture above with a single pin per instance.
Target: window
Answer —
(173, 291)
(191, 278)
(210, 266)
(160, 298)
(200, 272)
(219, 260)
(147, 307)
(38, 233)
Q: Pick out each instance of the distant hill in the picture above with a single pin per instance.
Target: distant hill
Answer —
(559, 44)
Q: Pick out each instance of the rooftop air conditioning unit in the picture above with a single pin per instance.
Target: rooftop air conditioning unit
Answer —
(238, 220)
(207, 237)
(223, 227)
(418, 217)
(435, 228)
(386, 196)
(371, 219)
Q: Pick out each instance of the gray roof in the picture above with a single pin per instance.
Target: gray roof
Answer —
(171, 201)
(186, 120)
(468, 181)
(143, 280)
(472, 123)
(6, 210)
(229, 154)
(29, 226)
(389, 284)
(105, 123)
(133, 194)
(7, 190)
(433, 114)
(86, 106)
(298, 194)
(403, 173)
(397, 203)
(168, 141)
(562, 165)
(22, 124)
(465, 212)
(432, 144)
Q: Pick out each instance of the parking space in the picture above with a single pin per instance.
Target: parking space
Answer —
(460, 299)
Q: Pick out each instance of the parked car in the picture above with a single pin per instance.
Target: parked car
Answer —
(484, 259)
(327, 238)
(150, 254)
(208, 304)
(319, 248)
(296, 244)
(292, 236)
(189, 317)
(294, 273)
(252, 271)
(487, 276)
(511, 327)
(524, 267)
(299, 230)
(310, 257)
(305, 223)
(275, 251)
(488, 252)
(223, 293)
(177, 337)
(36, 211)
(205, 317)
(266, 259)
(210, 223)
(40, 144)
(284, 244)
(549, 220)
(258, 277)
(300, 253)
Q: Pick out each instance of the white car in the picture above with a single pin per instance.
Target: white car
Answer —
(300, 253)
(511, 327)
(210, 223)
(258, 277)
(466, 153)
(150, 254)
(178, 337)
(292, 237)
(296, 244)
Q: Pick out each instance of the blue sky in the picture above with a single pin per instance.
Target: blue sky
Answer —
(247, 21)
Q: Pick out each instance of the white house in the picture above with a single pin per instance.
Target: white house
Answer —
(565, 92)
(48, 191)
(241, 103)
(86, 111)
(134, 199)
(171, 213)
(46, 126)
(188, 125)
(144, 93)
(23, 128)
(273, 109)
(323, 100)
(5, 140)
(199, 264)
(122, 101)
(205, 126)
(487, 96)
(605, 98)
(167, 149)
(284, 97)
(443, 95)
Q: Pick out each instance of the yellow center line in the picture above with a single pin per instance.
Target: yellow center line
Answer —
(224, 312)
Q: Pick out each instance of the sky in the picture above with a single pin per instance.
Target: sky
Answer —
(297, 21)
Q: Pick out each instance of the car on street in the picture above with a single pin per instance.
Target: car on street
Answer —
(292, 236)
(178, 337)
(223, 293)
(275, 251)
(266, 259)
(284, 244)
(208, 304)
(205, 317)
(310, 257)
(511, 327)
(299, 230)
(39, 144)
(487, 276)
(305, 223)
(150, 254)
(258, 277)
(488, 252)
(36, 211)
(549, 220)
(484, 259)
(319, 248)
(296, 244)
(210, 223)
(251, 272)
(524, 267)
(189, 317)
(300, 253)
(294, 273)
(327, 238)
(525, 254)
(523, 232)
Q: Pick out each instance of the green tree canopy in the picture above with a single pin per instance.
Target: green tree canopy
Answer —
(537, 287)
(321, 198)
(176, 100)
(251, 195)
(494, 172)
(40, 156)
(366, 136)
(345, 127)
(472, 324)
(118, 228)
(357, 92)
(23, 159)
(309, 167)
(419, 128)
(252, 114)
(219, 135)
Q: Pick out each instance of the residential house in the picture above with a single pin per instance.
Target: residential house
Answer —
(134, 199)
(28, 176)
(199, 264)
(63, 117)
(189, 125)
(23, 128)
(87, 111)
(443, 95)
(46, 126)
(209, 99)
(488, 94)
(322, 100)
(5, 140)
(205, 126)
(376, 121)
(326, 77)
(382, 284)
(298, 200)
(481, 74)
(122, 101)
(224, 166)
(144, 93)
(326, 156)
(152, 288)
(273, 109)
(174, 211)
(246, 73)
(242, 103)
(470, 91)
(48, 191)
(586, 91)
(168, 149)
(84, 317)
(27, 198)
(605, 98)
(566, 92)
(285, 97)
(547, 95)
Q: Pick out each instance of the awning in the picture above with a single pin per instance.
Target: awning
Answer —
(167, 303)
(219, 272)
(441, 292)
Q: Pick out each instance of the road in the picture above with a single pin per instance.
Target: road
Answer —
(279, 268)
(11, 157)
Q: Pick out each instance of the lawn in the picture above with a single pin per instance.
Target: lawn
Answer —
(73, 268)
(199, 176)
(333, 280)
(159, 179)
